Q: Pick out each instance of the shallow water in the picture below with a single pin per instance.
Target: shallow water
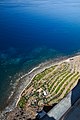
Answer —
(32, 32)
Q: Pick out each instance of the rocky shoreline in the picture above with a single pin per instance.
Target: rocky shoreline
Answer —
(24, 81)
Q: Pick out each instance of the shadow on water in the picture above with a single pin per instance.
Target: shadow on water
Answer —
(75, 93)
(46, 117)
(44, 112)
(48, 108)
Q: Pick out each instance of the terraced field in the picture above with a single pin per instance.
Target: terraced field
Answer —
(50, 86)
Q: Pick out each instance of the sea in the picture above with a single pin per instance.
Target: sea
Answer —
(32, 32)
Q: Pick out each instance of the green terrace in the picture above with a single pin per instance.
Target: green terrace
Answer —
(50, 86)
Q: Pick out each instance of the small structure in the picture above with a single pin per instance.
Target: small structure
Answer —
(45, 93)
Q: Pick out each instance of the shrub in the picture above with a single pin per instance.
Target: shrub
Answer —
(22, 102)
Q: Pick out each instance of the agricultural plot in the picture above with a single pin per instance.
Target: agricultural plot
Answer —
(50, 86)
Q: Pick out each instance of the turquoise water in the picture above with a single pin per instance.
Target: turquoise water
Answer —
(33, 32)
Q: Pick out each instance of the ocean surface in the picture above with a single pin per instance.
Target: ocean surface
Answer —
(34, 31)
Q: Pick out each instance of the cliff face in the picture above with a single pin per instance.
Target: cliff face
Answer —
(73, 113)
(69, 102)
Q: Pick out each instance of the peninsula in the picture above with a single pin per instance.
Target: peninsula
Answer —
(47, 87)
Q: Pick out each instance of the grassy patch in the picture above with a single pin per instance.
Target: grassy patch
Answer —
(22, 102)
(43, 73)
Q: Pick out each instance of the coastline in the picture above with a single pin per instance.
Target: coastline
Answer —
(26, 79)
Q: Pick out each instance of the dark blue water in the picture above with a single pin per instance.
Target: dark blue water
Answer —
(33, 32)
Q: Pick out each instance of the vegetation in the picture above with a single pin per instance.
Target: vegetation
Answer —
(51, 85)
(22, 102)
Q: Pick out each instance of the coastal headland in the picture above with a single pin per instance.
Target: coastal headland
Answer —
(45, 85)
